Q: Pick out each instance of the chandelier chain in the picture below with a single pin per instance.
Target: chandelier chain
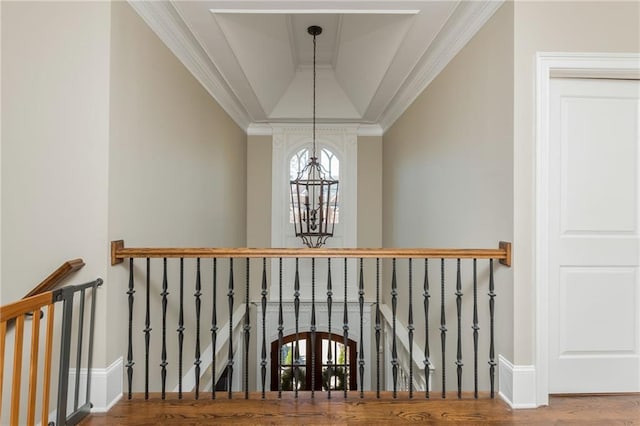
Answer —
(314, 95)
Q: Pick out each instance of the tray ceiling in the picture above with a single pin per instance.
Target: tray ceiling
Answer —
(374, 57)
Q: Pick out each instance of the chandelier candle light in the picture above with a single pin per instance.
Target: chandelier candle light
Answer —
(314, 193)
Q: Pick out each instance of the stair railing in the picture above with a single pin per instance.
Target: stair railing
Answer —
(430, 261)
(36, 308)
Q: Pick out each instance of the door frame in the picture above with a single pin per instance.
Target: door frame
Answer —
(548, 65)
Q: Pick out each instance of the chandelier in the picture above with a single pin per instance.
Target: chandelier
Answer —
(314, 193)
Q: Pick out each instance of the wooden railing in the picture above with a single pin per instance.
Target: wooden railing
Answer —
(12, 318)
(356, 258)
(57, 277)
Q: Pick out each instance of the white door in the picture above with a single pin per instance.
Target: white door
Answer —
(594, 291)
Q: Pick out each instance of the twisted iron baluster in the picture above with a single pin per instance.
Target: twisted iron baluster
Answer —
(280, 328)
(197, 295)
(361, 354)
(180, 329)
(345, 330)
(443, 328)
(378, 328)
(230, 353)
(214, 328)
(263, 362)
(475, 330)
(313, 327)
(492, 360)
(410, 327)
(329, 305)
(394, 348)
(130, 293)
(164, 294)
(427, 296)
(296, 353)
(459, 343)
(147, 331)
(247, 329)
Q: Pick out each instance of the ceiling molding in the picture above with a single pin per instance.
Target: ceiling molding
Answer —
(259, 129)
(463, 24)
(370, 130)
(169, 26)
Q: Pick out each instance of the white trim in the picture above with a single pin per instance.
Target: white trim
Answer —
(464, 23)
(106, 386)
(516, 384)
(321, 11)
(259, 129)
(370, 130)
(166, 22)
(546, 64)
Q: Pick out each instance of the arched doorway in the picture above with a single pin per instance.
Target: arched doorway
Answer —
(343, 369)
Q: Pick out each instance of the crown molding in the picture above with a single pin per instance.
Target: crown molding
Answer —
(169, 26)
(459, 29)
(259, 129)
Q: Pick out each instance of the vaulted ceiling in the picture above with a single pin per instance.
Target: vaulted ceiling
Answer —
(373, 57)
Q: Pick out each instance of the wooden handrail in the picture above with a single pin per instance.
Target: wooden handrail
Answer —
(25, 306)
(56, 277)
(119, 252)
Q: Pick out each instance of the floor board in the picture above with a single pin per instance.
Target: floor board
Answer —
(578, 410)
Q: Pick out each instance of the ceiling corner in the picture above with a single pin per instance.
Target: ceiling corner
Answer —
(166, 22)
(462, 25)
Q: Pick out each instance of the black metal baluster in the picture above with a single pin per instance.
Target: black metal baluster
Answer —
(361, 354)
(410, 327)
(475, 329)
(214, 328)
(345, 330)
(427, 354)
(329, 305)
(394, 347)
(280, 328)
(459, 343)
(378, 328)
(443, 329)
(79, 351)
(147, 331)
(263, 362)
(313, 327)
(130, 362)
(230, 353)
(180, 328)
(197, 295)
(492, 360)
(296, 352)
(247, 329)
(164, 294)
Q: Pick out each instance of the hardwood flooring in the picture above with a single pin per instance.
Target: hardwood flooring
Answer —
(574, 410)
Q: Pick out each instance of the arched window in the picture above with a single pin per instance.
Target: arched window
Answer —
(343, 362)
(329, 162)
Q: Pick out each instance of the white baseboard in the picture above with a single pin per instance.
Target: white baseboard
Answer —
(517, 384)
(106, 386)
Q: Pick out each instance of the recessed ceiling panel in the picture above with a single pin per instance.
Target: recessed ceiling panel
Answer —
(297, 102)
(368, 44)
(303, 41)
(260, 43)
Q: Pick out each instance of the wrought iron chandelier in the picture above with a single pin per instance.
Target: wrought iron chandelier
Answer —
(314, 193)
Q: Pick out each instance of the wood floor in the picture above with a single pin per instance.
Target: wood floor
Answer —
(576, 410)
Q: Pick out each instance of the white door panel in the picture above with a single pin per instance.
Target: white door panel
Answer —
(594, 252)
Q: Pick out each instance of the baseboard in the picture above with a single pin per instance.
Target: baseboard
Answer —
(106, 385)
(517, 384)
